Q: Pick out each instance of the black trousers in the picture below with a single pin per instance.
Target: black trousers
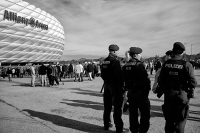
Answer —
(51, 80)
(55, 78)
(138, 101)
(113, 97)
(175, 111)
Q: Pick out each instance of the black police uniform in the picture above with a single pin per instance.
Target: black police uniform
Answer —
(112, 75)
(138, 85)
(175, 78)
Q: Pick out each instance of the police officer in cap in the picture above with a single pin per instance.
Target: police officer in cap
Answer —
(155, 87)
(176, 79)
(112, 75)
(138, 85)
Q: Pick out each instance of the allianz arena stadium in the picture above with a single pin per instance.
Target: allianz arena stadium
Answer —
(28, 34)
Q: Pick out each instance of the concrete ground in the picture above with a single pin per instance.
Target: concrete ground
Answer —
(72, 107)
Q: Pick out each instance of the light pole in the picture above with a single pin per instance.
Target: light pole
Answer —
(185, 46)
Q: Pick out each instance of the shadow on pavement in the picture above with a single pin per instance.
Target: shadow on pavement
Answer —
(84, 104)
(195, 112)
(156, 100)
(66, 122)
(87, 104)
(156, 111)
(89, 92)
(24, 85)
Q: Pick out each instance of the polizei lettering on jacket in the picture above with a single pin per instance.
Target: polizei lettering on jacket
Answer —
(174, 66)
(11, 16)
(105, 64)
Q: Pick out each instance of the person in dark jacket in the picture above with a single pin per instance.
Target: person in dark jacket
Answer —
(138, 85)
(9, 72)
(177, 80)
(43, 72)
(90, 70)
(59, 71)
(157, 65)
(49, 74)
(64, 70)
(55, 74)
(70, 70)
(112, 76)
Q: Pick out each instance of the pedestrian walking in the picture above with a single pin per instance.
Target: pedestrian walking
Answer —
(157, 64)
(21, 71)
(43, 72)
(177, 80)
(32, 69)
(9, 72)
(112, 76)
(49, 74)
(59, 71)
(151, 67)
(78, 72)
(90, 69)
(71, 71)
(138, 85)
(55, 74)
(64, 70)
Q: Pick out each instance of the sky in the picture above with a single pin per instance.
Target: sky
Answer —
(90, 26)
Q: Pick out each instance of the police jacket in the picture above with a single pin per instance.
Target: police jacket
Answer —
(136, 76)
(111, 71)
(177, 74)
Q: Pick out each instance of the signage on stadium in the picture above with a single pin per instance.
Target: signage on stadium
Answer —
(11, 16)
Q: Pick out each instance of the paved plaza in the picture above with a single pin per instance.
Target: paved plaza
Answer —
(72, 107)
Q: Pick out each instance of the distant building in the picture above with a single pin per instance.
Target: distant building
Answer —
(28, 34)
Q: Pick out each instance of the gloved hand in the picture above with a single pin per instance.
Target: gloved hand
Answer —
(190, 93)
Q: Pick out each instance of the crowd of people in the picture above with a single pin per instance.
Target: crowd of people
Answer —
(51, 74)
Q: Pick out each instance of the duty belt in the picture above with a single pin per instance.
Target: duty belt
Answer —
(175, 88)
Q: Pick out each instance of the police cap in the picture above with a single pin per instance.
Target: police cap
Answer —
(113, 47)
(135, 50)
(178, 46)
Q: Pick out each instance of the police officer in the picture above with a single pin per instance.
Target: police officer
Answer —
(176, 77)
(112, 75)
(155, 87)
(138, 85)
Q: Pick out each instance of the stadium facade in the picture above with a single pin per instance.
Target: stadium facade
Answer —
(28, 34)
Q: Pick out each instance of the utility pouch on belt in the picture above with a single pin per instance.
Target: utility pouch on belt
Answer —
(175, 113)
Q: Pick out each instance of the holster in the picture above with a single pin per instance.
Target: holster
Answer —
(175, 113)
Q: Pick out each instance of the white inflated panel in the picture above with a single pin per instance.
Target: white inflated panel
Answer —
(20, 42)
